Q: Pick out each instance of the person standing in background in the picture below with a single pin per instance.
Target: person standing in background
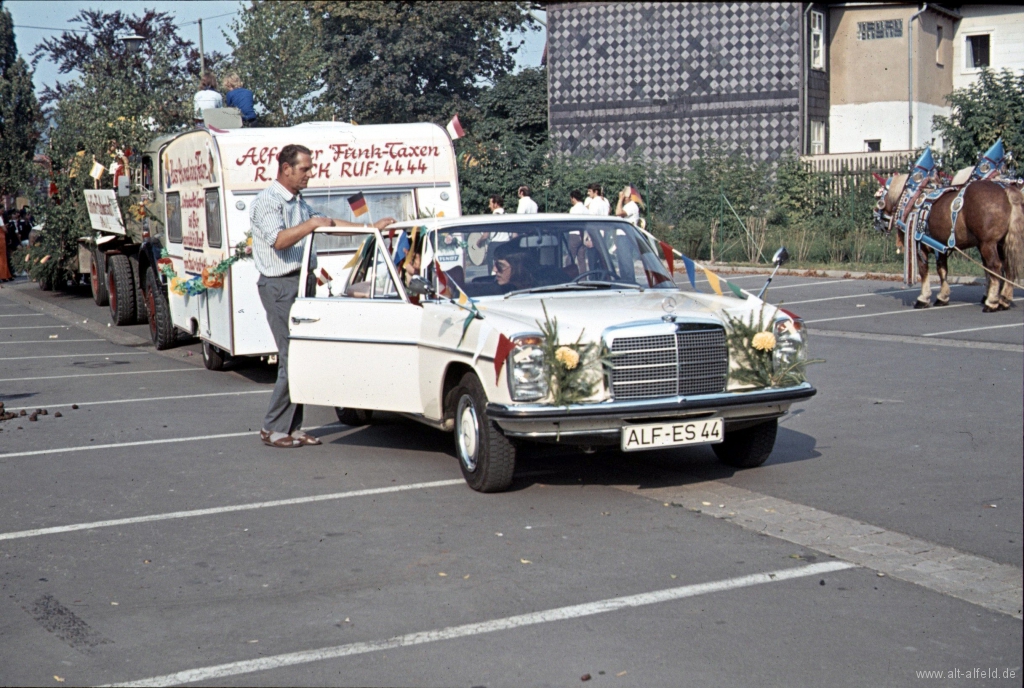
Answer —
(496, 205)
(578, 207)
(598, 204)
(527, 206)
(239, 97)
(627, 206)
(5, 253)
(206, 97)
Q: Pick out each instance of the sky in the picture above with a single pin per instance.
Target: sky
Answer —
(55, 17)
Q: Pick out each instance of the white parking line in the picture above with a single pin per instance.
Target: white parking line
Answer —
(118, 445)
(575, 611)
(228, 509)
(857, 296)
(133, 401)
(115, 353)
(54, 341)
(972, 329)
(902, 311)
(23, 315)
(38, 327)
(805, 284)
(124, 372)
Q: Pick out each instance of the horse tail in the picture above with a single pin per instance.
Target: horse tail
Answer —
(1014, 246)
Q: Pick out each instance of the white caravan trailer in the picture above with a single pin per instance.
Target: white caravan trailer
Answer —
(209, 179)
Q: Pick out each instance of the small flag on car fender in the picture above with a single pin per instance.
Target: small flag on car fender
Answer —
(323, 278)
(505, 347)
(455, 128)
(358, 204)
(444, 287)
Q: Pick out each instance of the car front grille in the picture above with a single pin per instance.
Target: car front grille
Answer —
(692, 361)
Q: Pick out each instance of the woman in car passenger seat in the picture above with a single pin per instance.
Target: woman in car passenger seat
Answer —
(513, 272)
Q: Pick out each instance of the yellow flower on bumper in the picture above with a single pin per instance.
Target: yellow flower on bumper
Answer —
(567, 357)
(763, 341)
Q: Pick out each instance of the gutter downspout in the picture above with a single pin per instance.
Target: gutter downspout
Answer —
(805, 147)
(910, 76)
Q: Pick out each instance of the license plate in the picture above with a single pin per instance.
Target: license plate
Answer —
(655, 435)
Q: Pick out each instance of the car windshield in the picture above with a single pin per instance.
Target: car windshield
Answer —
(507, 258)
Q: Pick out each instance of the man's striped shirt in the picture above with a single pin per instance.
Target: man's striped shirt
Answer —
(274, 210)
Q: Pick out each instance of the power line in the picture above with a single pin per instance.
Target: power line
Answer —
(177, 26)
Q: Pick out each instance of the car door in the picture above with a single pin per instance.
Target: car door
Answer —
(353, 331)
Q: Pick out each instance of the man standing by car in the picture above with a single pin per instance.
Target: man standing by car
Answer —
(281, 220)
(527, 206)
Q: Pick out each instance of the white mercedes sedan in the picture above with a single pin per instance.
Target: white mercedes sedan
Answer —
(514, 329)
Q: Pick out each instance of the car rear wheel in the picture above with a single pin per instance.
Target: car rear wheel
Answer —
(353, 416)
(121, 288)
(213, 357)
(749, 447)
(487, 458)
(98, 277)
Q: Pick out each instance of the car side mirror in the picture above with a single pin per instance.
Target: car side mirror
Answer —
(781, 257)
(419, 287)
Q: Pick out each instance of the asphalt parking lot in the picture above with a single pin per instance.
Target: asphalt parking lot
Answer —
(147, 536)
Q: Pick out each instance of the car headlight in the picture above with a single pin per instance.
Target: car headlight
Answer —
(526, 378)
(790, 342)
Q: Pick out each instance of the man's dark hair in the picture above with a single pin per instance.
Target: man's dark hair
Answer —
(524, 191)
(289, 155)
(497, 200)
(597, 188)
(576, 195)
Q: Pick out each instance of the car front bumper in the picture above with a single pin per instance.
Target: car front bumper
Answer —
(602, 422)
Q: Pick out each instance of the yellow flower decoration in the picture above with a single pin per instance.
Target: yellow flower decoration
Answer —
(763, 341)
(567, 357)
(176, 285)
(248, 241)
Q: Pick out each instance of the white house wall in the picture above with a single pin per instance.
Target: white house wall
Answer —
(1005, 25)
(853, 124)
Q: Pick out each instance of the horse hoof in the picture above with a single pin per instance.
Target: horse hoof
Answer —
(922, 304)
(990, 309)
(1003, 306)
(939, 303)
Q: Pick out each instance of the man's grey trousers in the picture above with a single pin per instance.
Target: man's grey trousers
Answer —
(278, 294)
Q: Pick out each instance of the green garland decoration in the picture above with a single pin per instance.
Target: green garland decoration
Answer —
(212, 278)
(573, 370)
(751, 345)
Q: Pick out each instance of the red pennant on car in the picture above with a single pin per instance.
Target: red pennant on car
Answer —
(505, 347)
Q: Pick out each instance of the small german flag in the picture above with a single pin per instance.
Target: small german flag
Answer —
(634, 195)
(358, 204)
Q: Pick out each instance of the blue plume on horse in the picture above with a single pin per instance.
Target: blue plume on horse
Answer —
(990, 162)
(925, 164)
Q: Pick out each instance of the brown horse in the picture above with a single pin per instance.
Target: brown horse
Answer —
(992, 219)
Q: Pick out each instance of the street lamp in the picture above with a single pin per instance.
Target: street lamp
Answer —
(132, 43)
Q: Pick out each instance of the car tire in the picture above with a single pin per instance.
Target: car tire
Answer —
(98, 277)
(213, 357)
(161, 329)
(121, 288)
(354, 417)
(141, 314)
(487, 458)
(749, 447)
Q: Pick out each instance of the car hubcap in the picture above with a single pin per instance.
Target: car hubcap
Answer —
(468, 433)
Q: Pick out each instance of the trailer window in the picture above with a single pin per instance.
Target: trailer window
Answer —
(396, 204)
(174, 218)
(213, 233)
(147, 173)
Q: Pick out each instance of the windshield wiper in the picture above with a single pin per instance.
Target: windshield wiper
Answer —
(589, 284)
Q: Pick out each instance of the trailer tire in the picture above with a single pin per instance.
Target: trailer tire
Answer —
(98, 277)
(45, 284)
(161, 329)
(213, 358)
(141, 314)
(122, 289)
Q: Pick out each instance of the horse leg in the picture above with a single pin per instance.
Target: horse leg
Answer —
(924, 299)
(941, 267)
(990, 257)
(1006, 293)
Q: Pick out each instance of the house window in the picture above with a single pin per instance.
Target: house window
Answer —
(938, 45)
(817, 40)
(978, 51)
(817, 137)
(873, 145)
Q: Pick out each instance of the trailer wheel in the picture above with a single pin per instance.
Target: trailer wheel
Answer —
(141, 314)
(45, 284)
(122, 290)
(98, 277)
(213, 358)
(161, 329)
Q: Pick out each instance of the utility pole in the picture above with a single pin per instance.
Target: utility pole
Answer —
(202, 56)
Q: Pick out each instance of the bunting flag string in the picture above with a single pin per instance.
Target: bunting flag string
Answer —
(501, 354)
(714, 280)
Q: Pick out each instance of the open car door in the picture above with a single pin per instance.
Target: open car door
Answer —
(353, 330)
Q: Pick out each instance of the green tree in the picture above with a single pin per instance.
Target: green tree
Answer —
(19, 112)
(991, 107)
(116, 105)
(278, 52)
(414, 61)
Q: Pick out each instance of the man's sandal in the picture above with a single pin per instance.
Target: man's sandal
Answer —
(285, 442)
(305, 438)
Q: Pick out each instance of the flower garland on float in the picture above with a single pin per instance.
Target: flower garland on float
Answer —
(212, 277)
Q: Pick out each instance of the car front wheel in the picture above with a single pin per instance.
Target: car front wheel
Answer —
(487, 458)
(749, 447)
(354, 417)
